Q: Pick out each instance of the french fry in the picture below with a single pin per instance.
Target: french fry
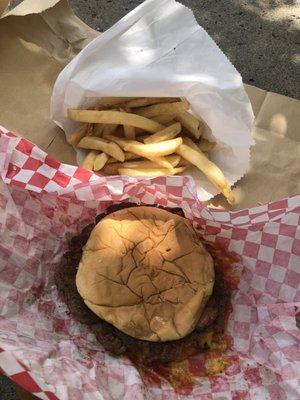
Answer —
(191, 123)
(166, 134)
(128, 157)
(164, 119)
(163, 108)
(113, 169)
(120, 141)
(129, 132)
(100, 160)
(146, 101)
(153, 155)
(148, 172)
(160, 161)
(205, 145)
(112, 101)
(89, 159)
(154, 149)
(190, 143)
(95, 143)
(109, 129)
(77, 135)
(115, 117)
(210, 169)
(173, 160)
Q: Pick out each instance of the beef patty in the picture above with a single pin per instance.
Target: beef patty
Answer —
(117, 342)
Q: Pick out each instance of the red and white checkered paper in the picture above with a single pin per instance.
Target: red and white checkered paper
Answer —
(44, 350)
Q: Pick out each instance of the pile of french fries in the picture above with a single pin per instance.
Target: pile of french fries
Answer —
(147, 136)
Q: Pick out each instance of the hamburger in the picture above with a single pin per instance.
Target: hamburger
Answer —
(144, 283)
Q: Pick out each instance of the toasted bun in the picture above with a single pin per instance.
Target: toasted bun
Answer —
(145, 271)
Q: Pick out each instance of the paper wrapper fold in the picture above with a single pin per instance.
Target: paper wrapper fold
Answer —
(43, 202)
(159, 50)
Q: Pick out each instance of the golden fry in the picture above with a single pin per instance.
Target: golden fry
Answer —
(146, 101)
(129, 131)
(120, 141)
(154, 149)
(89, 159)
(128, 157)
(150, 172)
(173, 160)
(77, 135)
(166, 134)
(115, 117)
(191, 123)
(95, 143)
(163, 108)
(164, 119)
(100, 161)
(210, 169)
(112, 169)
(203, 146)
(160, 161)
(154, 157)
(112, 101)
(189, 142)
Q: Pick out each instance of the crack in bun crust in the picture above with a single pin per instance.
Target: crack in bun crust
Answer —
(144, 271)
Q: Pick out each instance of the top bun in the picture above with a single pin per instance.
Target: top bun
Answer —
(145, 271)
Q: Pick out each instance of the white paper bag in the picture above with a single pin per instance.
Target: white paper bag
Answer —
(158, 49)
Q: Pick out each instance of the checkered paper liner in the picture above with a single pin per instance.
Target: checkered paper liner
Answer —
(43, 202)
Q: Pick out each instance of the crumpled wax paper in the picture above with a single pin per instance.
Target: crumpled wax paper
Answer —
(158, 49)
(44, 202)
